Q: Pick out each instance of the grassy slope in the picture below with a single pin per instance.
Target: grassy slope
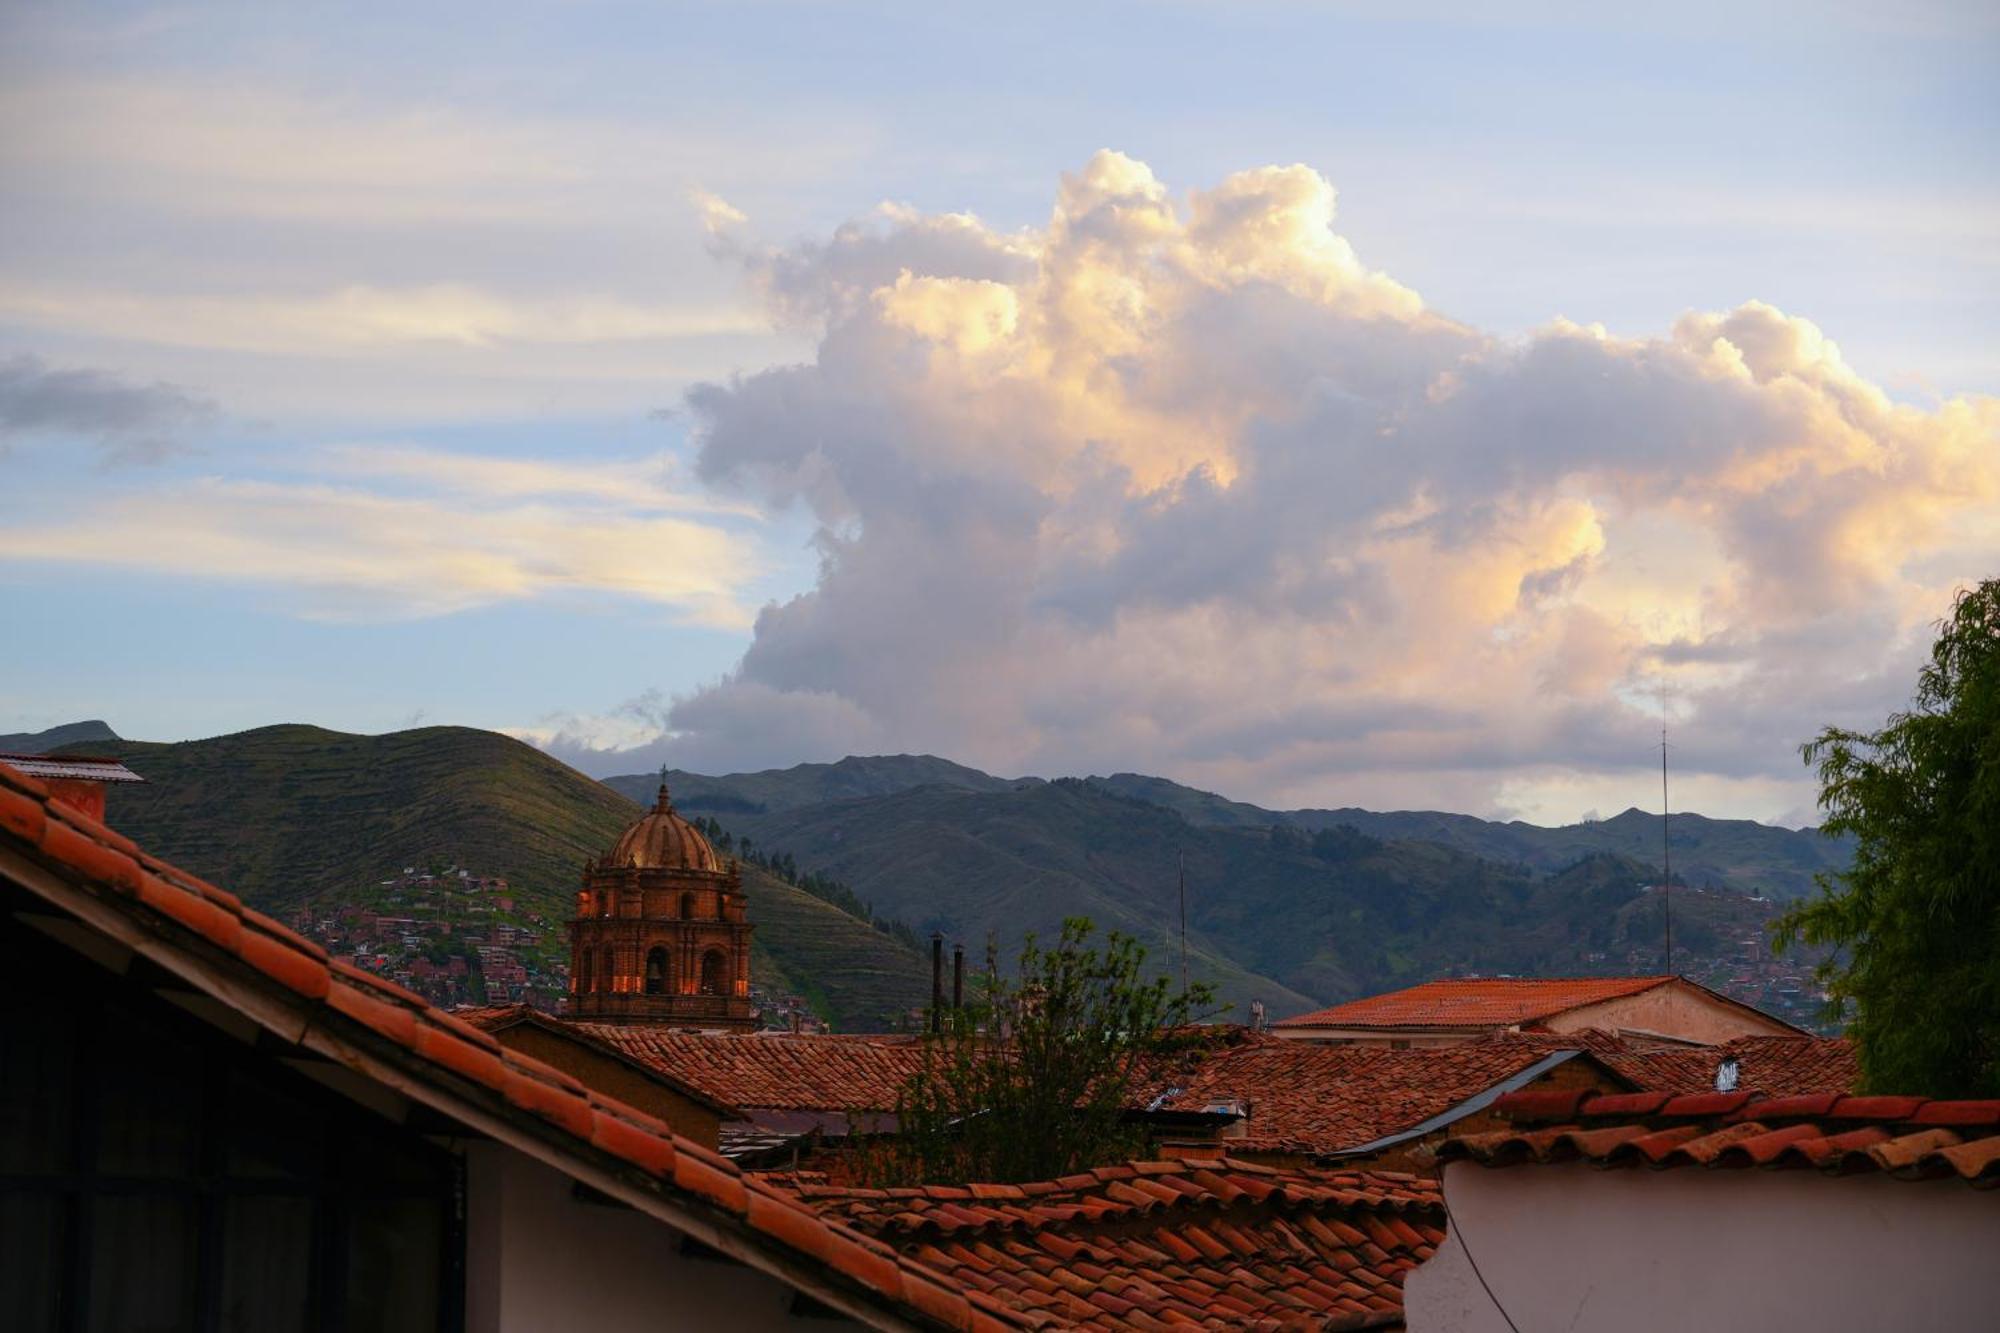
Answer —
(286, 813)
(1272, 915)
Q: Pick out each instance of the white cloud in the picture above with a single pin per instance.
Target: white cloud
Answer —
(434, 533)
(1186, 486)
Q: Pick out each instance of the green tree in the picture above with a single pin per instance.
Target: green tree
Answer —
(1915, 923)
(1033, 1077)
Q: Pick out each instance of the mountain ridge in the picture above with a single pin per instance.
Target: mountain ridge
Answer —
(291, 813)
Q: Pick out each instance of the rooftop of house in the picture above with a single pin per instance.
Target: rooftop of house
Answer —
(775, 1071)
(1470, 1002)
(70, 768)
(1308, 1098)
(1207, 1243)
(1774, 1066)
(1912, 1138)
(1303, 1097)
(496, 1018)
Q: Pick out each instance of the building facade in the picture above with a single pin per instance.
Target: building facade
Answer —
(661, 934)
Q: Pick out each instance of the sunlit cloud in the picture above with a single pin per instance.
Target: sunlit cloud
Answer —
(458, 532)
(1183, 483)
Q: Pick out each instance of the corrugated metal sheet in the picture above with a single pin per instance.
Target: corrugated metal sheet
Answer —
(74, 768)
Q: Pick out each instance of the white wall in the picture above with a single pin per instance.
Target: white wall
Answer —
(1575, 1247)
(538, 1260)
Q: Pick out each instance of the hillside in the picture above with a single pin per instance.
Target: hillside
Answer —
(809, 784)
(1738, 853)
(1733, 853)
(287, 814)
(1279, 914)
(55, 738)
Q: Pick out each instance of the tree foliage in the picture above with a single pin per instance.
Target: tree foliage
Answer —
(1916, 920)
(1031, 1079)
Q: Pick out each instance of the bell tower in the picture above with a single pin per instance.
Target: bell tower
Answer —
(660, 934)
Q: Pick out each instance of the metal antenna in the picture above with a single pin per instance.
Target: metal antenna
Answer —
(1180, 859)
(1666, 854)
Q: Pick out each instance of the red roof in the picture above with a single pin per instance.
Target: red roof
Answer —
(1913, 1138)
(1774, 1066)
(500, 1017)
(1475, 1002)
(1210, 1243)
(289, 986)
(773, 1070)
(1305, 1097)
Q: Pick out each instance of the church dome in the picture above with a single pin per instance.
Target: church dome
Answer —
(662, 840)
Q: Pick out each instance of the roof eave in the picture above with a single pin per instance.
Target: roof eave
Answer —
(351, 1045)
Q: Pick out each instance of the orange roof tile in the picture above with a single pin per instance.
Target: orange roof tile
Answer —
(499, 1017)
(1304, 1097)
(245, 959)
(771, 1070)
(1475, 1002)
(1776, 1066)
(1206, 1242)
(1913, 1138)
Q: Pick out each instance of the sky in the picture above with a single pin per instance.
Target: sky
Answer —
(1393, 405)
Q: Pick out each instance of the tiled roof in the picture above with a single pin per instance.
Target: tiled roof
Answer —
(1217, 1243)
(1475, 1002)
(1305, 1097)
(776, 1070)
(1774, 1066)
(251, 962)
(499, 1017)
(1909, 1137)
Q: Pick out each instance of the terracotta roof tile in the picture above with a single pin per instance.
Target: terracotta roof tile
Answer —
(1475, 1002)
(1217, 1241)
(1311, 1098)
(770, 1070)
(1909, 1137)
(1773, 1066)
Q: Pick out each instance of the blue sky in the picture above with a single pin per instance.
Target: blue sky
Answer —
(286, 289)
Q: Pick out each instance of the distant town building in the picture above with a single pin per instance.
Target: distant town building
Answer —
(1455, 1010)
(661, 934)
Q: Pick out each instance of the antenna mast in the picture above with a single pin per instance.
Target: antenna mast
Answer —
(1666, 855)
(1180, 859)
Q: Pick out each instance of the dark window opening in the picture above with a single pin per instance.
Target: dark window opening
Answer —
(687, 907)
(656, 971)
(156, 1174)
(712, 964)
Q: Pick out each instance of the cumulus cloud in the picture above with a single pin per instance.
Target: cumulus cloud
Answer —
(406, 533)
(1182, 484)
(125, 422)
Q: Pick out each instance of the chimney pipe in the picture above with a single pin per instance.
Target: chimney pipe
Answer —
(937, 982)
(958, 976)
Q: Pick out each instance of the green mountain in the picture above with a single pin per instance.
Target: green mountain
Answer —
(55, 738)
(286, 814)
(1731, 853)
(809, 784)
(1293, 917)
(1738, 853)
